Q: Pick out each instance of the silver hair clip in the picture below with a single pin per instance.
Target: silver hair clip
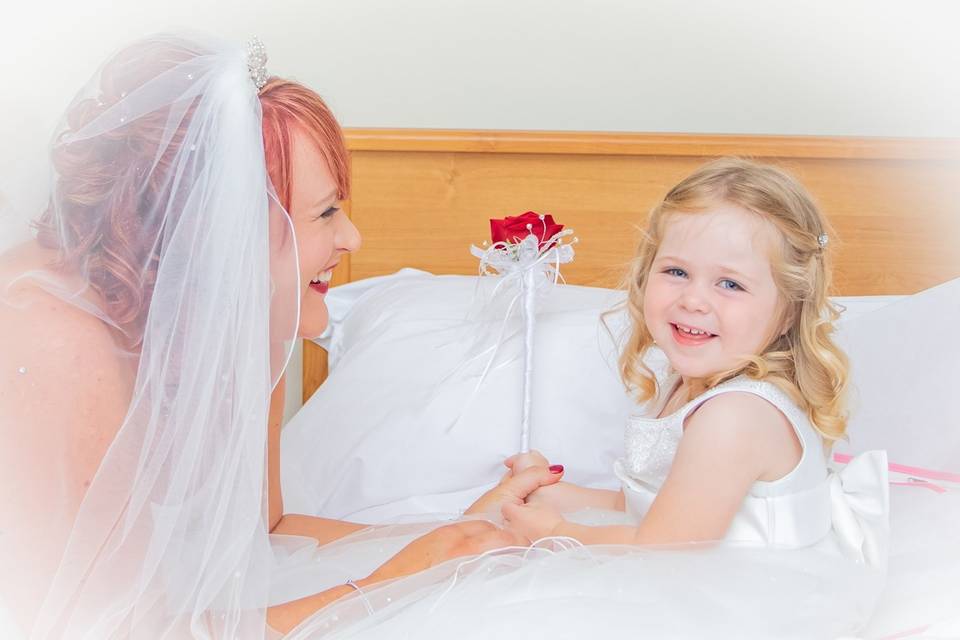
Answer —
(257, 62)
(822, 240)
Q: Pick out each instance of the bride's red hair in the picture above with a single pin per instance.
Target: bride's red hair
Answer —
(288, 105)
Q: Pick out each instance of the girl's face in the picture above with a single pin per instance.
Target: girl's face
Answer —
(710, 296)
(324, 232)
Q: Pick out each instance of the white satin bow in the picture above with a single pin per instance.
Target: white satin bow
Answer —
(860, 505)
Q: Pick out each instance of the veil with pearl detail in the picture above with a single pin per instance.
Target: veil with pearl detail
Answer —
(164, 242)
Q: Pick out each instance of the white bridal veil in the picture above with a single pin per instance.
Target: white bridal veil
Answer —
(165, 225)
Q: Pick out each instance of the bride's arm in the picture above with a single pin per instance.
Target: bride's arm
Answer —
(323, 529)
(274, 424)
(444, 543)
(450, 541)
(514, 487)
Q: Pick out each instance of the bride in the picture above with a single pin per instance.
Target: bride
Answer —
(192, 227)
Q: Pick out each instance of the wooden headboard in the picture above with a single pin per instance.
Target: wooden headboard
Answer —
(421, 197)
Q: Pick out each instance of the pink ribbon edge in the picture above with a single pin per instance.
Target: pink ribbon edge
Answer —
(917, 472)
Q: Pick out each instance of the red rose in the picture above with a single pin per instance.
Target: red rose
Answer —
(513, 229)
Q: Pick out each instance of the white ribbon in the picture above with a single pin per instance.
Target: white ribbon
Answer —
(860, 503)
(510, 261)
(534, 265)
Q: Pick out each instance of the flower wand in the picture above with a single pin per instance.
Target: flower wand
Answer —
(527, 249)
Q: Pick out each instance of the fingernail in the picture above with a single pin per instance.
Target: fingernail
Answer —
(556, 468)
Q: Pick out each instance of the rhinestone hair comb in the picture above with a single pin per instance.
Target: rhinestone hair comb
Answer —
(257, 62)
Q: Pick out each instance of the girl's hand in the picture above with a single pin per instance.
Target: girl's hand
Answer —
(514, 488)
(532, 521)
(533, 458)
(520, 461)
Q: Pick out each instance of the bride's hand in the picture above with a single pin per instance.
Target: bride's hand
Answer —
(533, 521)
(465, 538)
(514, 488)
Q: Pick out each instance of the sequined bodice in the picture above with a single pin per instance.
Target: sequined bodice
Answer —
(651, 443)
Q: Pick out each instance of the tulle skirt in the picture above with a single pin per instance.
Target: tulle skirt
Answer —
(561, 589)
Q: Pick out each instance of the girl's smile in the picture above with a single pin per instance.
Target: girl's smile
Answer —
(690, 336)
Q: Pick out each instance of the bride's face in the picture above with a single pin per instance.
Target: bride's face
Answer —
(324, 232)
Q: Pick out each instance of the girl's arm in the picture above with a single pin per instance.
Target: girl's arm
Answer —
(733, 440)
(563, 496)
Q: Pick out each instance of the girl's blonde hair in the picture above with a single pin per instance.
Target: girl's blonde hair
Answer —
(804, 362)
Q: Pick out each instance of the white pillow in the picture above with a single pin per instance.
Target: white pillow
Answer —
(378, 439)
(905, 366)
(375, 442)
(905, 370)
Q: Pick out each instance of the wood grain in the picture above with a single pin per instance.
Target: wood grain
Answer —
(650, 144)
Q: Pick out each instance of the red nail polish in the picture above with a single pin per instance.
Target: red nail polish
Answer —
(556, 468)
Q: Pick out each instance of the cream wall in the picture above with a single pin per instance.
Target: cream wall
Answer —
(828, 67)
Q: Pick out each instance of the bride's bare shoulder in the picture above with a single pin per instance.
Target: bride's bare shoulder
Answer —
(62, 379)
(30, 314)
(47, 341)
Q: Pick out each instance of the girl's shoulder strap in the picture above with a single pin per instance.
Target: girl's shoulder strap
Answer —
(766, 390)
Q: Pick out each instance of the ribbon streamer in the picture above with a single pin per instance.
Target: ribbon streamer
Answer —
(534, 266)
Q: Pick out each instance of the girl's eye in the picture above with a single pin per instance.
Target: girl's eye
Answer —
(329, 213)
(675, 271)
(730, 285)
